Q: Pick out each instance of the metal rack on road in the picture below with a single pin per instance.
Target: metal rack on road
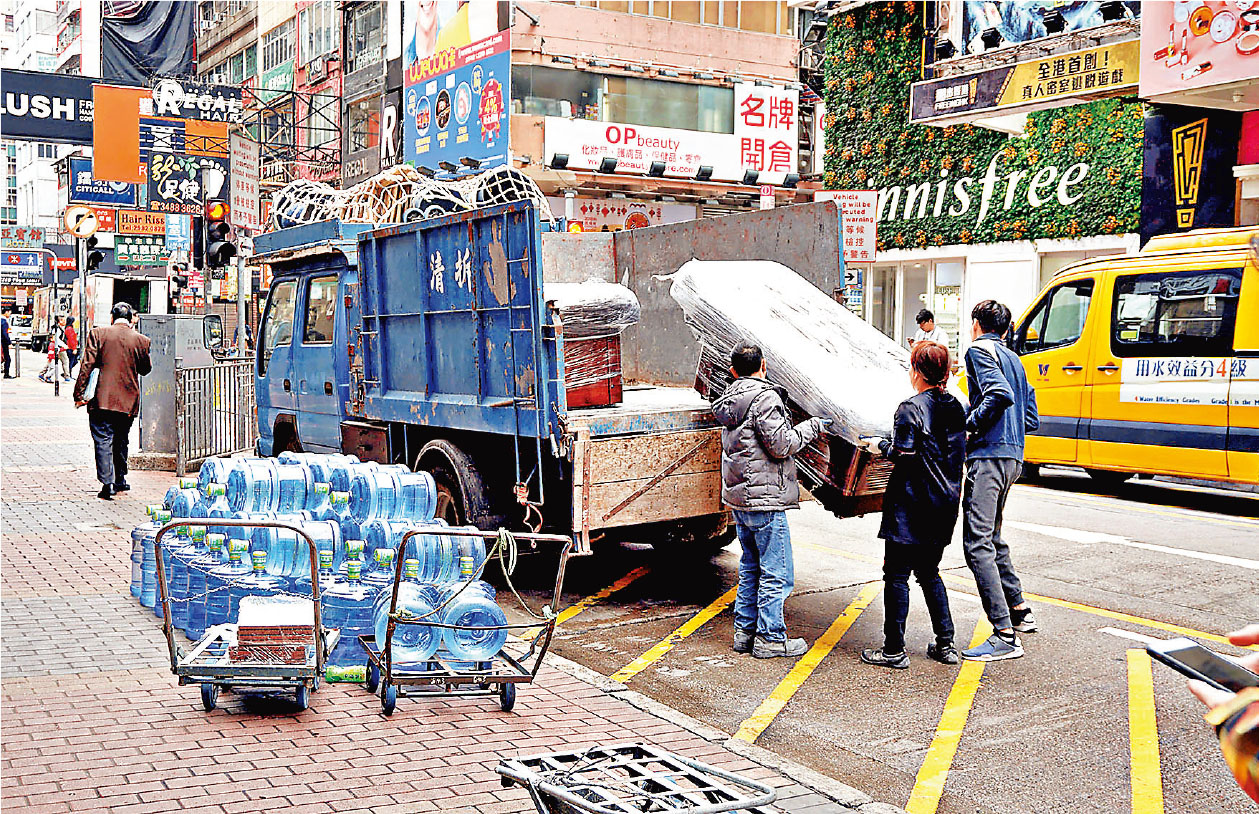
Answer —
(442, 677)
(207, 663)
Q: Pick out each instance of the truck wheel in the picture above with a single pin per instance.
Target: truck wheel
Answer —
(1107, 477)
(285, 435)
(461, 493)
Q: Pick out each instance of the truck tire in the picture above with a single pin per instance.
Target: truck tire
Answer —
(1108, 477)
(700, 537)
(462, 498)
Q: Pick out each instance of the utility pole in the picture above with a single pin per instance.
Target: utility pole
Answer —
(243, 283)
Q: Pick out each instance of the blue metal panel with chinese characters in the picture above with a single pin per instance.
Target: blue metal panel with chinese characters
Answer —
(452, 326)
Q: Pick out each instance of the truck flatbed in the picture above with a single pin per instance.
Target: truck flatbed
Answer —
(646, 409)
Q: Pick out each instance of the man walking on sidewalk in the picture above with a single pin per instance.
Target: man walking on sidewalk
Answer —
(1003, 409)
(6, 343)
(121, 353)
(758, 481)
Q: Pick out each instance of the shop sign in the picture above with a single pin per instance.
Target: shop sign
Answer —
(246, 167)
(635, 147)
(131, 222)
(1187, 179)
(140, 250)
(21, 237)
(1187, 46)
(460, 111)
(19, 297)
(766, 125)
(275, 81)
(179, 232)
(182, 99)
(1022, 20)
(46, 107)
(858, 215)
(106, 219)
(88, 190)
(21, 268)
(1035, 84)
(180, 184)
(614, 214)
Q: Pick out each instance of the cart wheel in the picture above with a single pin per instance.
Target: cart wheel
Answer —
(373, 677)
(389, 698)
(302, 696)
(507, 696)
(209, 696)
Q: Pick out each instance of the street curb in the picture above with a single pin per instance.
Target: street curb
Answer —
(828, 787)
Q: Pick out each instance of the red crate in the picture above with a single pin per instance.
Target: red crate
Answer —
(592, 371)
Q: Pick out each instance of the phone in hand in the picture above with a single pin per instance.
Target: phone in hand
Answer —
(1195, 661)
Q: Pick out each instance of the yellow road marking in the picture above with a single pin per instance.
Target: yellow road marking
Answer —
(1062, 603)
(577, 607)
(929, 784)
(1147, 774)
(752, 728)
(690, 626)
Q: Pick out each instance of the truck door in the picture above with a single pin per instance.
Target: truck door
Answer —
(1160, 379)
(314, 368)
(1054, 343)
(274, 388)
(1243, 386)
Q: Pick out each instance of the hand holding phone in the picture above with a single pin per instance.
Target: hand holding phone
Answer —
(1197, 662)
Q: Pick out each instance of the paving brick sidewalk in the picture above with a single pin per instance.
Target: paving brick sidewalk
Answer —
(92, 718)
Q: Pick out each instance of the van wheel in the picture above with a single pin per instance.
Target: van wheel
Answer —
(461, 494)
(1031, 472)
(1107, 477)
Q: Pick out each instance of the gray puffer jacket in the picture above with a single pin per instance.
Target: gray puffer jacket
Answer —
(757, 471)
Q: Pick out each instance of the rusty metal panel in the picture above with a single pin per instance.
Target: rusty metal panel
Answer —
(576, 257)
(661, 348)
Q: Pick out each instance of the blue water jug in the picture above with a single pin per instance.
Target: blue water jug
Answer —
(374, 493)
(339, 477)
(288, 555)
(320, 501)
(413, 645)
(172, 492)
(199, 569)
(214, 470)
(417, 497)
(218, 581)
(179, 538)
(257, 582)
(216, 506)
(353, 551)
(294, 488)
(187, 503)
(146, 529)
(472, 609)
(148, 563)
(252, 487)
(381, 572)
(320, 465)
(347, 606)
(179, 575)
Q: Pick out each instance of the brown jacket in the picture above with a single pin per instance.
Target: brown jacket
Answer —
(122, 354)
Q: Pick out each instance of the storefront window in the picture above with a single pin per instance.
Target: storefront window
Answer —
(364, 125)
(883, 299)
(554, 92)
(366, 43)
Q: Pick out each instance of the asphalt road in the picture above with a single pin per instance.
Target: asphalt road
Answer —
(1050, 732)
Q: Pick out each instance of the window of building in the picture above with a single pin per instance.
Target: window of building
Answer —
(47, 150)
(321, 308)
(764, 16)
(364, 125)
(1058, 320)
(251, 61)
(1189, 313)
(541, 91)
(366, 41)
(321, 120)
(277, 46)
(236, 69)
(318, 24)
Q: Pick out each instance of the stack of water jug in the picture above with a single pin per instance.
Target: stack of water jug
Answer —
(356, 512)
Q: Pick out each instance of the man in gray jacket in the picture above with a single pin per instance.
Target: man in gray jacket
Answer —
(758, 481)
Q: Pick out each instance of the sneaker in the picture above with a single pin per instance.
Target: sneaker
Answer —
(790, 648)
(897, 661)
(944, 653)
(743, 640)
(122, 487)
(995, 648)
(1022, 620)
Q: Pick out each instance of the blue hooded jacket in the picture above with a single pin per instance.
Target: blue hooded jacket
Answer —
(1002, 403)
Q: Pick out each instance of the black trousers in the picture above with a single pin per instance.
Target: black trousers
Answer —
(923, 561)
(111, 431)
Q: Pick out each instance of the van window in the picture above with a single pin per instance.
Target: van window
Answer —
(321, 309)
(1059, 319)
(1184, 313)
(277, 329)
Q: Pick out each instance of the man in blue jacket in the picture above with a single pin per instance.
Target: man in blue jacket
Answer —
(1002, 411)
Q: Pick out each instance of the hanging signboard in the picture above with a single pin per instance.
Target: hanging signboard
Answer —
(46, 106)
(86, 189)
(21, 237)
(140, 250)
(180, 184)
(106, 219)
(246, 167)
(132, 222)
(179, 233)
(21, 268)
(181, 99)
(766, 126)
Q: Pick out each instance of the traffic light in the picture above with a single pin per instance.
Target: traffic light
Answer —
(219, 245)
(94, 255)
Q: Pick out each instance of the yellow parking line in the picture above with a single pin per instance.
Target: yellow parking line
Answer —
(1147, 773)
(765, 714)
(691, 625)
(577, 607)
(929, 784)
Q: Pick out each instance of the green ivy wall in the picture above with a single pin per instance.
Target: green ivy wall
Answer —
(874, 53)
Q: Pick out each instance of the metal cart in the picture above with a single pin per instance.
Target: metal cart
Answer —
(441, 677)
(207, 663)
(630, 778)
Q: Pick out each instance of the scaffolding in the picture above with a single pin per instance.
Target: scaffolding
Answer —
(298, 133)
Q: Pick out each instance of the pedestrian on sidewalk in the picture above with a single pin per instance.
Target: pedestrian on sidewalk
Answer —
(1002, 411)
(1235, 717)
(6, 343)
(758, 481)
(928, 450)
(72, 343)
(54, 351)
(121, 354)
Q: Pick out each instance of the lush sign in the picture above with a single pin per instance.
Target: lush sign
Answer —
(1075, 172)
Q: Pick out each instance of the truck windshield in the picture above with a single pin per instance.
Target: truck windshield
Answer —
(277, 329)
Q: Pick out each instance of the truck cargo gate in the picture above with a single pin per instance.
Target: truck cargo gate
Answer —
(215, 411)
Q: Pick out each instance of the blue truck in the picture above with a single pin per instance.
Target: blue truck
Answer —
(433, 344)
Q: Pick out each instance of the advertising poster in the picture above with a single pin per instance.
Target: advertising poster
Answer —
(1186, 46)
(1023, 20)
(21, 268)
(179, 233)
(180, 184)
(457, 91)
(84, 188)
(246, 168)
(767, 127)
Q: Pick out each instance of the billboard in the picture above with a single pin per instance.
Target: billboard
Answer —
(1023, 20)
(1187, 46)
(1187, 180)
(46, 106)
(86, 189)
(23, 237)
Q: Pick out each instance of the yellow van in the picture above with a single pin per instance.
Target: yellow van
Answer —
(1149, 363)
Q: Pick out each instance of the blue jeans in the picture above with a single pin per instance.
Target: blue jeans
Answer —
(766, 573)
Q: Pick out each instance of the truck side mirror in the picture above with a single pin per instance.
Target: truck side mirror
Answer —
(212, 330)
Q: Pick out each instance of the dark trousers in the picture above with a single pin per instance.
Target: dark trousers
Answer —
(988, 482)
(923, 561)
(111, 431)
(7, 360)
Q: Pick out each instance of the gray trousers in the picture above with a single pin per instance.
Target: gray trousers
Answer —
(988, 482)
